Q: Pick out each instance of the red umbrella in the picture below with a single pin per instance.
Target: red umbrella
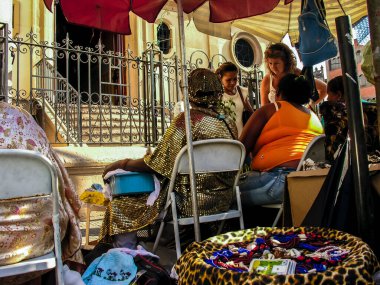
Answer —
(113, 16)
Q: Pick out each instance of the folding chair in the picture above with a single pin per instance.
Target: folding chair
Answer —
(315, 150)
(210, 156)
(26, 173)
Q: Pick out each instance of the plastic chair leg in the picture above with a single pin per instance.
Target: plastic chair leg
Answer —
(238, 201)
(157, 241)
(278, 216)
(88, 217)
(221, 226)
(175, 225)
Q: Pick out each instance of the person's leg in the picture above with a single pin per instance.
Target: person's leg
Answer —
(255, 187)
(261, 188)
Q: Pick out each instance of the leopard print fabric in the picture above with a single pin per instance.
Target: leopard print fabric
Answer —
(357, 268)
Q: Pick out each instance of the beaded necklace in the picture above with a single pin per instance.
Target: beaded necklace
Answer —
(323, 252)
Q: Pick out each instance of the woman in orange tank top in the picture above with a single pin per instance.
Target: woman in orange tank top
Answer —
(275, 137)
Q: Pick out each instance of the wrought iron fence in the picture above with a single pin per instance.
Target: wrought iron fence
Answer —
(94, 96)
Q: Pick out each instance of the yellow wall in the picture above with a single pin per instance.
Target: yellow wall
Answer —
(143, 32)
(31, 15)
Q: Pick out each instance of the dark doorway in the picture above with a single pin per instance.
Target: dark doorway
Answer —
(83, 69)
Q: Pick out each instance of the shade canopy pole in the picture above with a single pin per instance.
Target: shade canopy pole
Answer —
(373, 7)
(189, 137)
(359, 158)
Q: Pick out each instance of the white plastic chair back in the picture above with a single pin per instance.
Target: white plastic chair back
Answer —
(22, 175)
(25, 173)
(210, 156)
(315, 150)
(214, 155)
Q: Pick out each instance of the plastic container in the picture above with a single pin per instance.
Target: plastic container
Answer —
(132, 183)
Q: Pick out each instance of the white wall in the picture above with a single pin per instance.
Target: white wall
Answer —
(6, 12)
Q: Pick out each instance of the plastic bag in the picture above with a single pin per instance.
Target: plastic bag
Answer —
(94, 195)
(367, 63)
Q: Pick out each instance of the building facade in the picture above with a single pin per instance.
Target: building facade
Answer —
(88, 86)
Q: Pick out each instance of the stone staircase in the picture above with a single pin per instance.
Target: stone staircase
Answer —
(107, 124)
(78, 123)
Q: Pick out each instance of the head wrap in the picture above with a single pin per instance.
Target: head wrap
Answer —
(205, 87)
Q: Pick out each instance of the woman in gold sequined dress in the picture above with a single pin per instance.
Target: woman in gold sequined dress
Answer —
(127, 214)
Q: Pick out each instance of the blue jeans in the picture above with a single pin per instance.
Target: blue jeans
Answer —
(262, 188)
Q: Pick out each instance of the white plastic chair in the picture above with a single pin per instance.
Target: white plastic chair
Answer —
(26, 173)
(210, 156)
(315, 150)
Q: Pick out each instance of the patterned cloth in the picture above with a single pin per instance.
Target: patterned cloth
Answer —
(334, 115)
(130, 213)
(238, 106)
(23, 222)
(113, 267)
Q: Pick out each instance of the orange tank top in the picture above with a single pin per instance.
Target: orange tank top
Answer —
(285, 137)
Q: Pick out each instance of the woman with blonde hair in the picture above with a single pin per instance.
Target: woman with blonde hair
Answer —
(280, 61)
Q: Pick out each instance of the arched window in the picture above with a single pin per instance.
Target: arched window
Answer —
(163, 38)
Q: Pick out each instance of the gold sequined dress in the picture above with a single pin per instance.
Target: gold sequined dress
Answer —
(214, 191)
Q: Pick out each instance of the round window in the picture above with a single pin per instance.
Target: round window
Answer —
(244, 52)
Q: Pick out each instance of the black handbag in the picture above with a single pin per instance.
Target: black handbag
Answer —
(247, 112)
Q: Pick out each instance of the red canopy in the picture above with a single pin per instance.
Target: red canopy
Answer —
(113, 15)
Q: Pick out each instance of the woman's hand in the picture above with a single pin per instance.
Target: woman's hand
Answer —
(120, 164)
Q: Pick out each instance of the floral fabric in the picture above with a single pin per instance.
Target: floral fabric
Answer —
(18, 130)
(335, 120)
(28, 220)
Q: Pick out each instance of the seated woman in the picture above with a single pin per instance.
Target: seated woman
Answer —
(18, 130)
(127, 214)
(276, 136)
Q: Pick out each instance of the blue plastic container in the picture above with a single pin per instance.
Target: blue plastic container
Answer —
(132, 183)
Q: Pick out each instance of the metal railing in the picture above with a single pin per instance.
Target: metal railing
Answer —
(95, 96)
(3, 61)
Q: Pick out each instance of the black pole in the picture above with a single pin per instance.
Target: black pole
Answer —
(359, 158)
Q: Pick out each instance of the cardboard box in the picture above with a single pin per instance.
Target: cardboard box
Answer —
(304, 186)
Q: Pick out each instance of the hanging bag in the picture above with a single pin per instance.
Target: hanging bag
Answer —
(316, 43)
(247, 111)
